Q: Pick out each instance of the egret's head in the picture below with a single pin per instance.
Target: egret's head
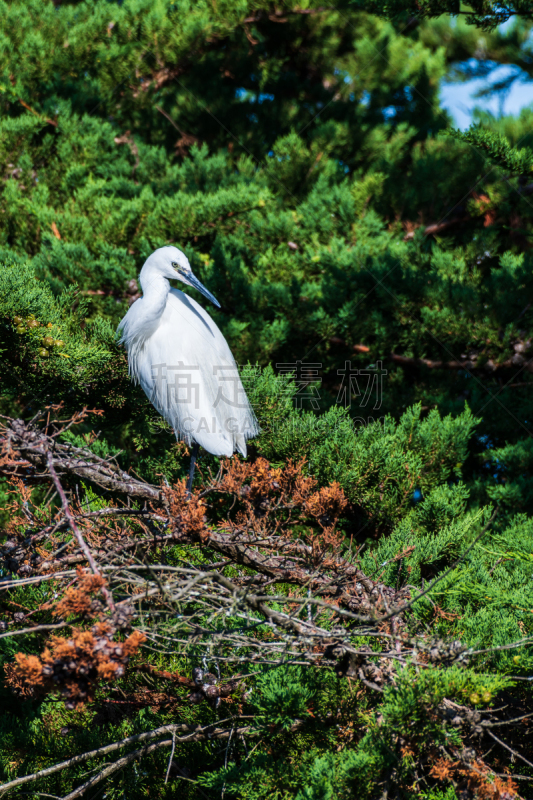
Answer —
(174, 265)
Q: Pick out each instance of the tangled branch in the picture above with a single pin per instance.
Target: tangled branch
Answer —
(121, 576)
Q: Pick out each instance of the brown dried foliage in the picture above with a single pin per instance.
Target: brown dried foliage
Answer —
(187, 512)
(272, 499)
(475, 778)
(77, 599)
(75, 665)
(271, 519)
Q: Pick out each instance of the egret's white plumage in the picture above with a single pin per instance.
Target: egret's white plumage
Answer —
(182, 361)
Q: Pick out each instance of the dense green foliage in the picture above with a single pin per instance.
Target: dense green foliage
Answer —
(303, 163)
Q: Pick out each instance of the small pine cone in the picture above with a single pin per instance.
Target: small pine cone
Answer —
(123, 617)
(211, 692)
(456, 648)
(19, 617)
(195, 697)
(209, 678)
(198, 675)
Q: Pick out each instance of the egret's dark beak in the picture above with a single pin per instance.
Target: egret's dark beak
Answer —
(192, 280)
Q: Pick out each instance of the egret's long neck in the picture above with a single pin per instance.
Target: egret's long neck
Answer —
(144, 316)
(155, 293)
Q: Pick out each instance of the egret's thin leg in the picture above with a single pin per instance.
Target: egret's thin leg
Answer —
(194, 456)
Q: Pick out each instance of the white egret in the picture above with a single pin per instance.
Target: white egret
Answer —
(183, 363)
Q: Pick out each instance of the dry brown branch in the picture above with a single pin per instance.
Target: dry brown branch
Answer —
(335, 587)
(340, 580)
(474, 362)
(36, 113)
(34, 445)
(185, 140)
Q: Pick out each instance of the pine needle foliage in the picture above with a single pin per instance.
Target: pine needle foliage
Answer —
(363, 625)
(499, 151)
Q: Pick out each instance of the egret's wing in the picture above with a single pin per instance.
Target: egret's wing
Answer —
(187, 370)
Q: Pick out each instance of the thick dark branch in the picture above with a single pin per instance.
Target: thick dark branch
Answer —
(438, 227)
(350, 587)
(34, 446)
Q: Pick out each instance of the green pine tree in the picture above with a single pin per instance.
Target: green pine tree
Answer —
(299, 155)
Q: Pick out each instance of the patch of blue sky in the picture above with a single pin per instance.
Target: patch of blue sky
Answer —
(253, 97)
(460, 100)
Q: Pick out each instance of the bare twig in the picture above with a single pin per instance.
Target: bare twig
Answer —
(115, 767)
(76, 531)
(185, 730)
(510, 749)
(171, 757)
